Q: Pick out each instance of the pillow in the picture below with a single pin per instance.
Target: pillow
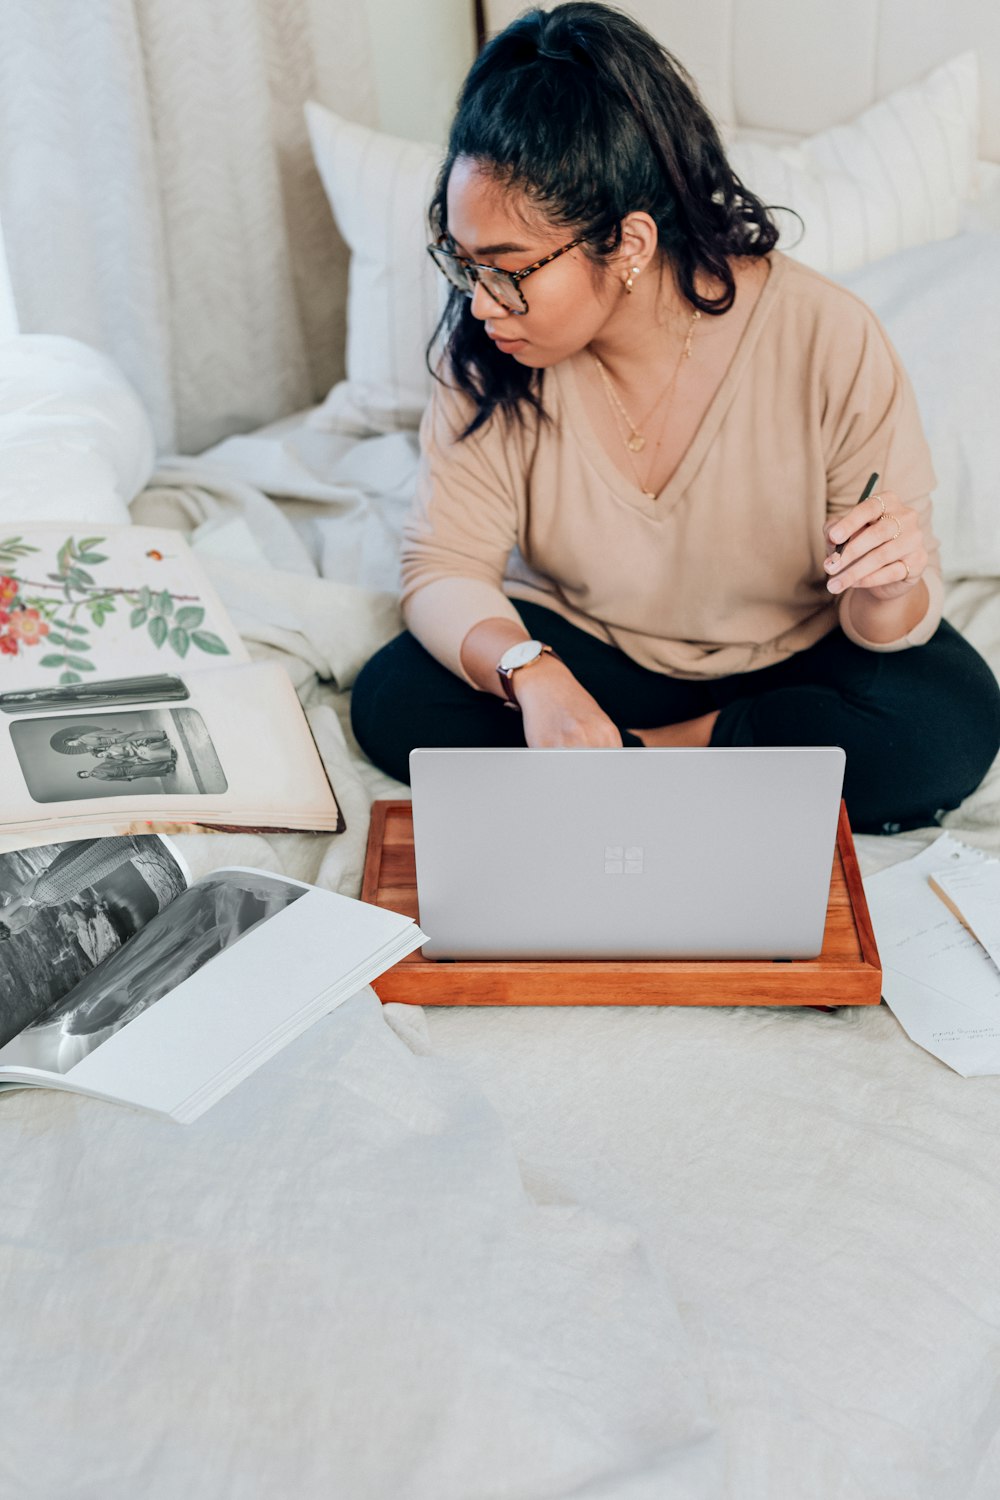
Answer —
(896, 176)
(940, 305)
(75, 441)
(379, 190)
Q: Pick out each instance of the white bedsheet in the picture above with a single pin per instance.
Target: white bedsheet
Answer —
(611, 1254)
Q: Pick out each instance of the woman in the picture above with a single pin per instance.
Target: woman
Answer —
(670, 425)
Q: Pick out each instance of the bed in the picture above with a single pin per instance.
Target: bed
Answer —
(606, 1254)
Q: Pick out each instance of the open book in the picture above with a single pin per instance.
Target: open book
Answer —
(226, 748)
(121, 979)
(128, 702)
(130, 601)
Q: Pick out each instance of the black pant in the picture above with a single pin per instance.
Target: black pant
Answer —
(920, 727)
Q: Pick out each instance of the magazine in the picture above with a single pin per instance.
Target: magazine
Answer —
(227, 747)
(123, 979)
(131, 600)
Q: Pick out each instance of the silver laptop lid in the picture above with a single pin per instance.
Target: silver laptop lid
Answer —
(625, 853)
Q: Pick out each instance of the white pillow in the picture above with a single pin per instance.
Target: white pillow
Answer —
(380, 189)
(896, 176)
(75, 440)
(940, 305)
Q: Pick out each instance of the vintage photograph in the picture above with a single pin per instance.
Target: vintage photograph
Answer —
(65, 908)
(115, 692)
(211, 916)
(151, 752)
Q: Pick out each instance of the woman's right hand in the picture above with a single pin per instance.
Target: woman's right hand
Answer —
(557, 710)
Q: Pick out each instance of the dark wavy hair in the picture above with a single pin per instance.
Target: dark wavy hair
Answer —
(581, 110)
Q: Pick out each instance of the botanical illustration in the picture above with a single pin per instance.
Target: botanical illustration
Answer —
(61, 611)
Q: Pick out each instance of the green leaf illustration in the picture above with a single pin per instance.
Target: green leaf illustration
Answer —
(80, 665)
(78, 629)
(190, 617)
(205, 640)
(137, 618)
(157, 630)
(65, 678)
(54, 639)
(82, 575)
(165, 604)
(63, 555)
(180, 640)
(92, 558)
(90, 541)
(145, 598)
(52, 660)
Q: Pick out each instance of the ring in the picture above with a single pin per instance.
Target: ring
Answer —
(907, 567)
(881, 501)
(899, 525)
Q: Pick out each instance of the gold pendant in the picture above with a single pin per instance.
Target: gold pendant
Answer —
(636, 442)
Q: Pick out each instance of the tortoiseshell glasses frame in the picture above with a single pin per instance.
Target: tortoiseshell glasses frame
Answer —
(503, 286)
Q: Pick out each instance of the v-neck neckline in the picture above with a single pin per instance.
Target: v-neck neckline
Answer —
(667, 498)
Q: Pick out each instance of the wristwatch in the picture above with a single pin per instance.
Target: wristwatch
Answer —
(520, 655)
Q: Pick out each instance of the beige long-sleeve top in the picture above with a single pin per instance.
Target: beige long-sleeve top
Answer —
(723, 571)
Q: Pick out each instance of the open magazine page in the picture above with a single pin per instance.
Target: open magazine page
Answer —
(75, 607)
(65, 909)
(229, 746)
(197, 926)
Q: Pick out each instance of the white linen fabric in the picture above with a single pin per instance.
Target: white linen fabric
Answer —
(898, 175)
(75, 440)
(609, 1254)
(159, 201)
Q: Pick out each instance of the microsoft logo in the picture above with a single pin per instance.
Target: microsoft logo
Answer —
(622, 860)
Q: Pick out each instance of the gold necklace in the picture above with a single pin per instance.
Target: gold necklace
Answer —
(635, 439)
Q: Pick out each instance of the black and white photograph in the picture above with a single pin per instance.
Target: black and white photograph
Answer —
(65, 908)
(151, 752)
(206, 919)
(115, 692)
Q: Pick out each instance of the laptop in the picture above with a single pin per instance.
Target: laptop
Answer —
(632, 853)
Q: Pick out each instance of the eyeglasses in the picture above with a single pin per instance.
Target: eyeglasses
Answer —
(503, 286)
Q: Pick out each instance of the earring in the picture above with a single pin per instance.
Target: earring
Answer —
(628, 280)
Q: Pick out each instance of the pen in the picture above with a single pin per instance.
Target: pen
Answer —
(872, 482)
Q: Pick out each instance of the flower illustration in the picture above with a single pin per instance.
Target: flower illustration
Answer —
(27, 626)
(8, 644)
(8, 590)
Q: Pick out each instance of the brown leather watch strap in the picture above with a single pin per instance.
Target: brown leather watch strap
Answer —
(506, 678)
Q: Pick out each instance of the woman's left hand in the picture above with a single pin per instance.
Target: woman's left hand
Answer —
(884, 551)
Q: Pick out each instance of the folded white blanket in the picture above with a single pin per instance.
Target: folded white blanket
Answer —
(75, 440)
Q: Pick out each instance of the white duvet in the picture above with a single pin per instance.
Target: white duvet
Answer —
(606, 1254)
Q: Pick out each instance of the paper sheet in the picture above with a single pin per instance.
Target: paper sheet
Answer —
(938, 980)
(974, 887)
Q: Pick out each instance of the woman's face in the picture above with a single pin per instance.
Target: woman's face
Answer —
(569, 301)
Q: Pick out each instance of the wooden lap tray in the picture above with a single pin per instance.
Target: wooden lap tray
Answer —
(847, 972)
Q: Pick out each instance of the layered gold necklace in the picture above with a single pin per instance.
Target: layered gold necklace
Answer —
(632, 435)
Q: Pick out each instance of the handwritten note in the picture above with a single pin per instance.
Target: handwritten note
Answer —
(974, 888)
(938, 979)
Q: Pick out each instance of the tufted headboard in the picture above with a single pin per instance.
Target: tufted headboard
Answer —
(793, 67)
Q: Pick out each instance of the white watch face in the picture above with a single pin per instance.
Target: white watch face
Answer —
(520, 655)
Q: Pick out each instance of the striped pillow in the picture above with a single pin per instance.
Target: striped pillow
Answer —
(379, 189)
(896, 176)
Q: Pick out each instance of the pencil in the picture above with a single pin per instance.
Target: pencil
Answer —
(872, 482)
